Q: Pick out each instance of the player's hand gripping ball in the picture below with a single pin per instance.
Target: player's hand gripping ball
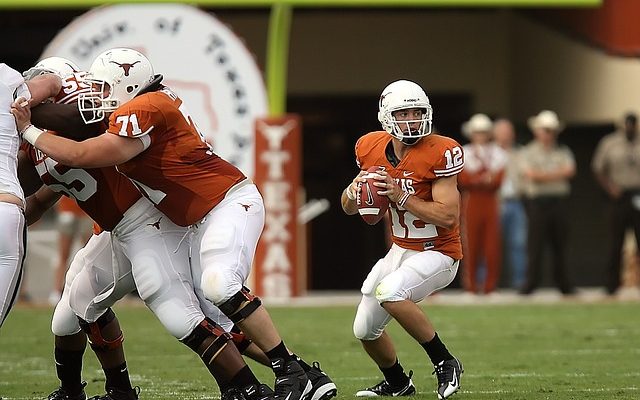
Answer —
(371, 205)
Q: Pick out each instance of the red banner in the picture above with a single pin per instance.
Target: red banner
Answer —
(278, 167)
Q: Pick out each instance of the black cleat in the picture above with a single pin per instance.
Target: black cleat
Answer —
(292, 382)
(322, 387)
(448, 373)
(258, 392)
(385, 389)
(232, 394)
(61, 394)
(116, 394)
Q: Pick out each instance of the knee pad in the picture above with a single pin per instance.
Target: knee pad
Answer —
(64, 321)
(206, 329)
(240, 305)
(94, 333)
(218, 285)
(391, 288)
(362, 329)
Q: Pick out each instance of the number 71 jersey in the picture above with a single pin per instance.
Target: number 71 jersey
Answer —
(431, 158)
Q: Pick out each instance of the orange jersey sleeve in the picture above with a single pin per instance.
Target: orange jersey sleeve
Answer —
(431, 158)
(178, 170)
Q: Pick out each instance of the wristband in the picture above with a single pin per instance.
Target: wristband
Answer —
(31, 134)
(350, 195)
(403, 200)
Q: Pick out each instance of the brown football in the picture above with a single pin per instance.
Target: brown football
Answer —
(371, 205)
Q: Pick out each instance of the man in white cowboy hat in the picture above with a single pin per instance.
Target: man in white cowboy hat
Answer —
(547, 168)
(480, 182)
(616, 165)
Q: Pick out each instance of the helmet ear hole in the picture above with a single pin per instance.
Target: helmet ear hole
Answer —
(131, 88)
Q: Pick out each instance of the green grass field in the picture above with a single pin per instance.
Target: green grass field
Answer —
(515, 352)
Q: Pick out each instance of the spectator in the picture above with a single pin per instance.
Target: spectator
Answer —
(616, 164)
(513, 219)
(547, 168)
(72, 224)
(480, 182)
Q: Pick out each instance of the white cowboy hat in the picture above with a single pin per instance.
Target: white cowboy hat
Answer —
(546, 119)
(477, 123)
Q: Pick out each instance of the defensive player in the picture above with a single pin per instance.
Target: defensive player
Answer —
(419, 178)
(144, 253)
(155, 143)
(12, 227)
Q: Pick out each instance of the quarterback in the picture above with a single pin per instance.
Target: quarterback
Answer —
(153, 140)
(417, 173)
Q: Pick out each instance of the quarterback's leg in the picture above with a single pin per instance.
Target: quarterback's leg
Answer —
(369, 327)
(419, 275)
(226, 243)
(12, 249)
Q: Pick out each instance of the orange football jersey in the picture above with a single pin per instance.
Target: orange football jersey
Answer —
(432, 157)
(178, 171)
(102, 193)
(72, 86)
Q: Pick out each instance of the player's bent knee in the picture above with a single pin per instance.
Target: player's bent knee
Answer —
(391, 289)
(363, 330)
(240, 305)
(217, 285)
(207, 339)
(64, 321)
(94, 333)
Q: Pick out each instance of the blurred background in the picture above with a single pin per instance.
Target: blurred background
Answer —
(506, 59)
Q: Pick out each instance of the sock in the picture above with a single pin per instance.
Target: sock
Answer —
(436, 350)
(395, 375)
(306, 367)
(118, 378)
(280, 351)
(243, 378)
(69, 370)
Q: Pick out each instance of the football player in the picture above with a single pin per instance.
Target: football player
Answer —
(154, 142)
(13, 228)
(418, 175)
(139, 249)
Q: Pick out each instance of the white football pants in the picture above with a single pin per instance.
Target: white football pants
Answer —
(401, 275)
(224, 242)
(12, 250)
(146, 251)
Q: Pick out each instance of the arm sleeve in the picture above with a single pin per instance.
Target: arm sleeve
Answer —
(14, 81)
(598, 163)
(136, 121)
(450, 160)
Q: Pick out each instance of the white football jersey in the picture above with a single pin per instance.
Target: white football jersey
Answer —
(12, 85)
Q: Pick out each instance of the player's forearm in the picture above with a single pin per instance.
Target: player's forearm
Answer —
(348, 206)
(433, 212)
(65, 151)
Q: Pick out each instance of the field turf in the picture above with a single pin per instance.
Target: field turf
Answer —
(515, 352)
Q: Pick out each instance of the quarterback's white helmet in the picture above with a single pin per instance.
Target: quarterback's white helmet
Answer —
(51, 65)
(117, 76)
(401, 95)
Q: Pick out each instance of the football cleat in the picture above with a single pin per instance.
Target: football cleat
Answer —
(448, 373)
(292, 383)
(385, 389)
(232, 394)
(322, 387)
(61, 394)
(116, 394)
(257, 392)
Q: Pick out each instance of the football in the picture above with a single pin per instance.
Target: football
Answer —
(371, 205)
